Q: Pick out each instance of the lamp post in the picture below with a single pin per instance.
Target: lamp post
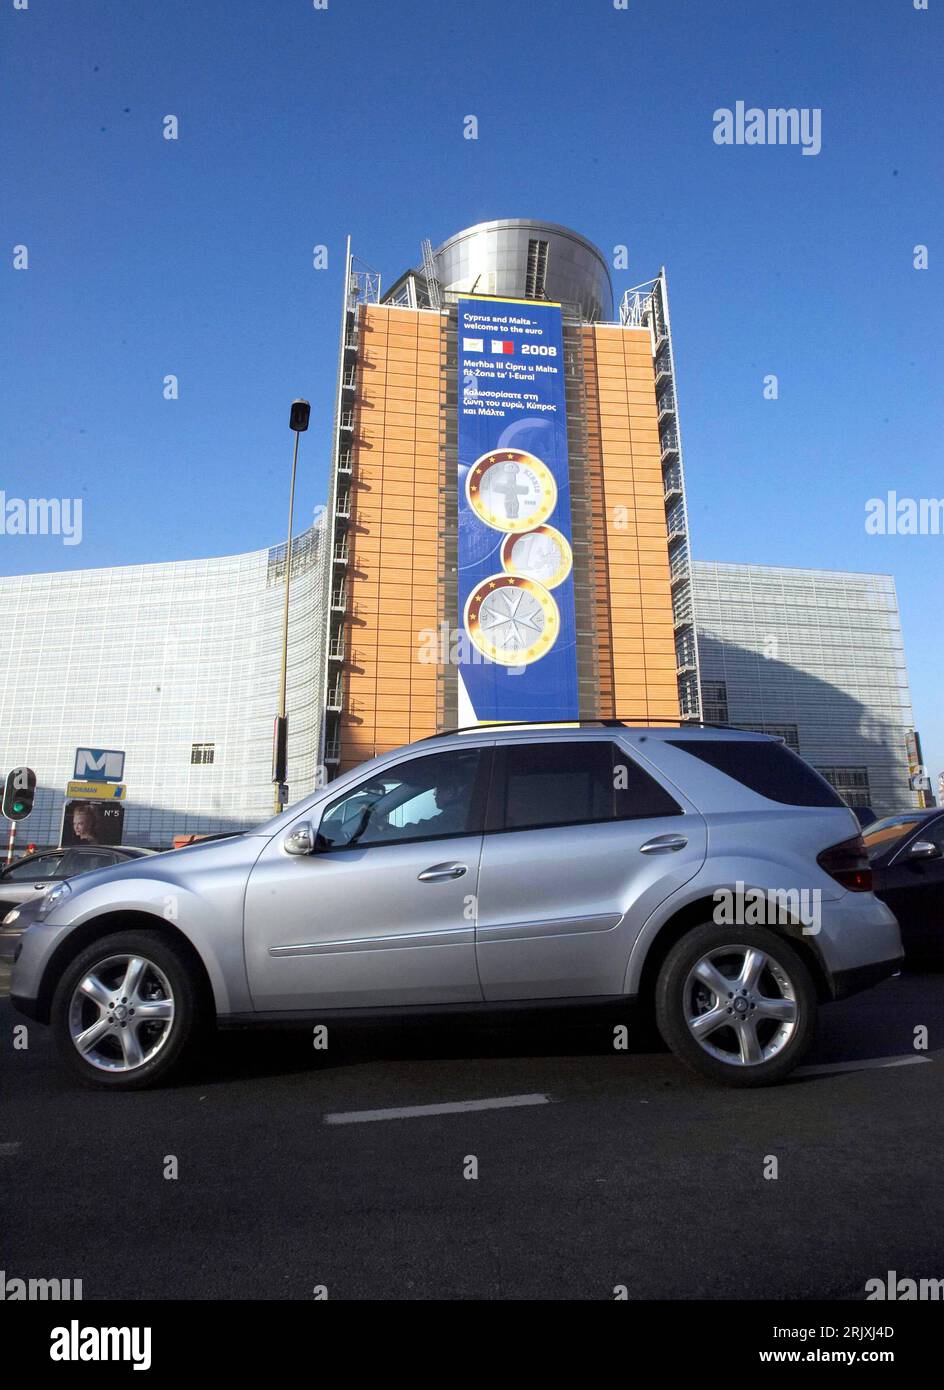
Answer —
(298, 422)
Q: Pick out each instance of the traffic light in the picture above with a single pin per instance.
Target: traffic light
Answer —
(18, 793)
(280, 748)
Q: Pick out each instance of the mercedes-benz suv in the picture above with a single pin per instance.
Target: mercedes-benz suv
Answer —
(708, 873)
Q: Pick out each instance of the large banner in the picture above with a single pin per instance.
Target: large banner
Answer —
(518, 656)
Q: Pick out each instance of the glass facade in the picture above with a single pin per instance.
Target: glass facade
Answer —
(816, 657)
(177, 664)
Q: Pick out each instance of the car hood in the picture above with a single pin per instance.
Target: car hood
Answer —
(173, 864)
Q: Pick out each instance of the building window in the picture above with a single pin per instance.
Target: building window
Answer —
(852, 783)
(714, 699)
(536, 275)
(788, 732)
(202, 753)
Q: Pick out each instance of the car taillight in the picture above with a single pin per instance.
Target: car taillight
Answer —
(848, 863)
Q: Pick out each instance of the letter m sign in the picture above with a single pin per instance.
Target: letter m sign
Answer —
(99, 765)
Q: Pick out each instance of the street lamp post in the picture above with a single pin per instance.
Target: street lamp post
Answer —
(298, 422)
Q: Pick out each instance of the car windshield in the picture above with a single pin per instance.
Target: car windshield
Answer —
(883, 835)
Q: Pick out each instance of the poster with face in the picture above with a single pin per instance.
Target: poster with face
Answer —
(92, 823)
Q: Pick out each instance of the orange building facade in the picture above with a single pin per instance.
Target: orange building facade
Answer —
(393, 588)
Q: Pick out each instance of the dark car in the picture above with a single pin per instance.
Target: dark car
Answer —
(907, 857)
(30, 877)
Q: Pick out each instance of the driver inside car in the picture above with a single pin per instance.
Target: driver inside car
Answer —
(439, 810)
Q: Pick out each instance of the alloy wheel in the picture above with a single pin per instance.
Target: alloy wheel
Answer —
(740, 1005)
(121, 1013)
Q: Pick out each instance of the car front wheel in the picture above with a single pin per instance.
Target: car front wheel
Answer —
(737, 1004)
(126, 1011)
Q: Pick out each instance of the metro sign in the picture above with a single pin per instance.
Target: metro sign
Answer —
(99, 765)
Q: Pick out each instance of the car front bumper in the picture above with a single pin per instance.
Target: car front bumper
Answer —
(11, 934)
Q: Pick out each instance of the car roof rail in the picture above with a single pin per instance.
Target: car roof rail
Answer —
(600, 722)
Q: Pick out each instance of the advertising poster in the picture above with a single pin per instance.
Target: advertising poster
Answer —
(92, 823)
(518, 656)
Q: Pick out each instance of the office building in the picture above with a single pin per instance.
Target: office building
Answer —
(817, 658)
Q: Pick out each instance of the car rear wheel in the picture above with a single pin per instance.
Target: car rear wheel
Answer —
(737, 1004)
(126, 1011)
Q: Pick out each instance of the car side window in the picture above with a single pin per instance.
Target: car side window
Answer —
(935, 833)
(539, 785)
(83, 861)
(43, 867)
(433, 797)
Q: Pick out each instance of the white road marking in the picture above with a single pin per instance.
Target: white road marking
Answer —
(8, 1150)
(864, 1064)
(405, 1112)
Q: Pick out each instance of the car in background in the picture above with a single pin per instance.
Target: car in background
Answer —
(28, 878)
(906, 853)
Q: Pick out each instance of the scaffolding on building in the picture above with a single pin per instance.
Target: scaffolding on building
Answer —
(362, 286)
(647, 306)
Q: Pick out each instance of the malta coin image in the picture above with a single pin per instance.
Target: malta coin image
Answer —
(511, 490)
(542, 554)
(512, 621)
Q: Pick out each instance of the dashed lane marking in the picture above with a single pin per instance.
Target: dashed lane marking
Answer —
(863, 1064)
(456, 1107)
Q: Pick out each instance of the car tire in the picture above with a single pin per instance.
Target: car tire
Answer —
(136, 1006)
(757, 1010)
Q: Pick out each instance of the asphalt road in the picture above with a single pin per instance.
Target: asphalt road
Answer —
(631, 1172)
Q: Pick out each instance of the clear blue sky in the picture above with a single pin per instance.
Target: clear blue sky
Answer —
(297, 126)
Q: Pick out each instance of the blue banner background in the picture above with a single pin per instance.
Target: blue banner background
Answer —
(546, 688)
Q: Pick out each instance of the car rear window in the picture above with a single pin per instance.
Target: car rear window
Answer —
(539, 785)
(770, 769)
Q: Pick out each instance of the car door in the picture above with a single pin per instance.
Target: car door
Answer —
(28, 879)
(913, 887)
(581, 846)
(382, 912)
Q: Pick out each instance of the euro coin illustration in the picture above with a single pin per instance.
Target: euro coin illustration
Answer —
(543, 555)
(511, 490)
(512, 621)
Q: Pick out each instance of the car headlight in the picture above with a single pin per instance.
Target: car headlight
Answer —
(52, 898)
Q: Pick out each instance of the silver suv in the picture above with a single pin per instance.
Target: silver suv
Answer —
(710, 873)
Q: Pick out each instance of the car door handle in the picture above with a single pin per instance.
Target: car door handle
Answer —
(439, 873)
(662, 844)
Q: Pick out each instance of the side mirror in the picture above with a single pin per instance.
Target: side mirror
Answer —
(924, 849)
(300, 841)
